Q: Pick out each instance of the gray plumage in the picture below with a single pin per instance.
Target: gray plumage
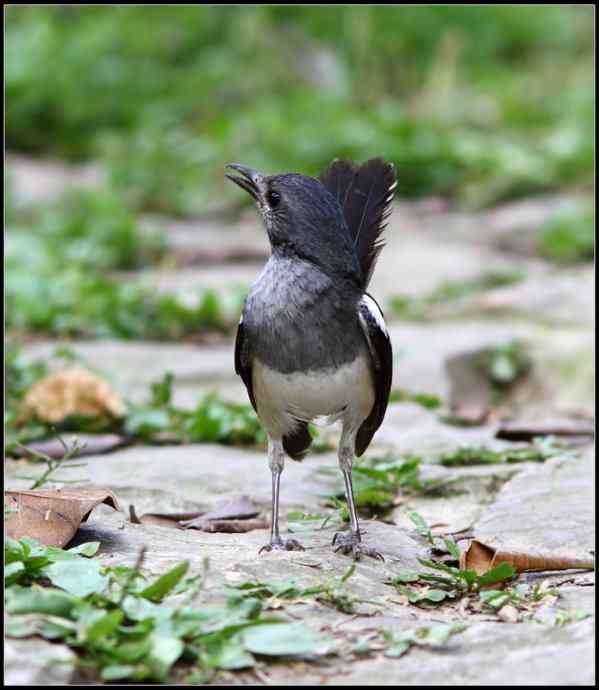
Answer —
(311, 342)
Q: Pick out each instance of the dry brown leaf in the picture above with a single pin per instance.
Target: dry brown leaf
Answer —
(237, 508)
(237, 514)
(52, 516)
(481, 558)
(161, 519)
(72, 391)
(527, 430)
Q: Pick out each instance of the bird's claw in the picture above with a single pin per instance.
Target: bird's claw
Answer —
(280, 545)
(349, 542)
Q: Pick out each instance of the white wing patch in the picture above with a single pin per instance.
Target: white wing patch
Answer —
(375, 312)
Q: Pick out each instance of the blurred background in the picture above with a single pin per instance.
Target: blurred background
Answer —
(124, 242)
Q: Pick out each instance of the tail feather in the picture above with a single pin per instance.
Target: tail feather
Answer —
(365, 193)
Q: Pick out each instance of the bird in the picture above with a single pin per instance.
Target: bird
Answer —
(312, 344)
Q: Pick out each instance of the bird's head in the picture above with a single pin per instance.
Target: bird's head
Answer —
(301, 217)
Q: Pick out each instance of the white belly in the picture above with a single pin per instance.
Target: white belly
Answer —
(282, 399)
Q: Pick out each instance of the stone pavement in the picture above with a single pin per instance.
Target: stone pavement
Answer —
(532, 507)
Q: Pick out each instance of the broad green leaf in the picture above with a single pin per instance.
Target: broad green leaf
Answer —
(165, 583)
(165, 649)
(502, 572)
(105, 626)
(117, 672)
(79, 577)
(494, 597)
(435, 595)
(12, 551)
(231, 655)
(437, 635)
(285, 639)
(88, 549)
(38, 600)
(397, 649)
(12, 572)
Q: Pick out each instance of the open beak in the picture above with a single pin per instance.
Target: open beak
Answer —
(247, 179)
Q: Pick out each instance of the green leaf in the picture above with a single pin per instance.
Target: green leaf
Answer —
(502, 572)
(165, 648)
(451, 547)
(12, 572)
(437, 635)
(37, 600)
(398, 649)
(494, 597)
(105, 626)
(79, 577)
(231, 656)
(117, 672)
(285, 639)
(435, 595)
(165, 583)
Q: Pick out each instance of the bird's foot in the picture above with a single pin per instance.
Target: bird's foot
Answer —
(279, 544)
(350, 542)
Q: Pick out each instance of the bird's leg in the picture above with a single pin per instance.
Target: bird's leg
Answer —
(276, 462)
(351, 541)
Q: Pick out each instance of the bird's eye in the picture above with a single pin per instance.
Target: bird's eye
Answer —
(273, 198)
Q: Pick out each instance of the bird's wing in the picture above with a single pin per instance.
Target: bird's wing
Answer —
(373, 326)
(297, 442)
(243, 366)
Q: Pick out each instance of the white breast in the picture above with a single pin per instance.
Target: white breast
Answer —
(282, 399)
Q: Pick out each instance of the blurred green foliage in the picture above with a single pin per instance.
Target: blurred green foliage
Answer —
(475, 102)
(57, 260)
(570, 235)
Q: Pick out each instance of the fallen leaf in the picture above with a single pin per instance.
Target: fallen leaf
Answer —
(237, 508)
(234, 515)
(161, 519)
(526, 431)
(237, 526)
(482, 558)
(52, 516)
(72, 391)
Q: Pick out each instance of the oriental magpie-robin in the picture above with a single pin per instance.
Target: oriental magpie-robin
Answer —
(311, 342)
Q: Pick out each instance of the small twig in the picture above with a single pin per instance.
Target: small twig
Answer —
(53, 464)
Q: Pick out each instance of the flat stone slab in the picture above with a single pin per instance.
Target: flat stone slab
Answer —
(34, 661)
(546, 510)
(489, 654)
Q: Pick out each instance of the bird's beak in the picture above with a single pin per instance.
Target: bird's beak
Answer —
(249, 180)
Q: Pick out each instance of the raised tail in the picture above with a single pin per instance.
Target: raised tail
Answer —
(365, 193)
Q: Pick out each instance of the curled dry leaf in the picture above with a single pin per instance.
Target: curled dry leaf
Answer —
(526, 431)
(161, 519)
(72, 391)
(52, 516)
(481, 558)
(237, 514)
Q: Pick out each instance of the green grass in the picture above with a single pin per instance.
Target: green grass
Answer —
(415, 308)
(569, 236)
(477, 103)
(58, 263)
